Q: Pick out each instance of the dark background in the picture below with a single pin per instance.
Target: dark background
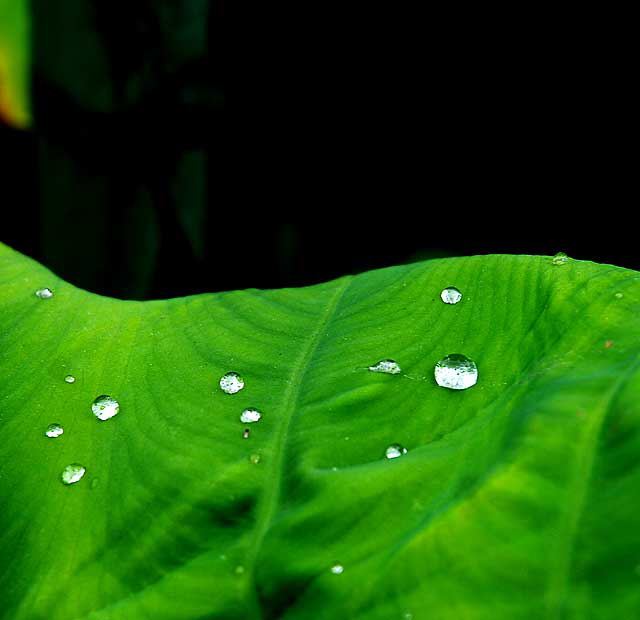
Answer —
(190, 148)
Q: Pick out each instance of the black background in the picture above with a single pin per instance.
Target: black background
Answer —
(332, 144)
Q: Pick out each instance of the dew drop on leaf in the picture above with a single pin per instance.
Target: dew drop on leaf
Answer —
(451, 295)
(105, 407)
(618, 295)
(250, 415)
(72, 473)
(231, 383)
(245, 434)
(337, 569)
(44, 293)
(388, 367)
(394, 451)
(254, 459)
(239, 570)
(560, 259)
(54, 430)
(456, 372)
(70, 379)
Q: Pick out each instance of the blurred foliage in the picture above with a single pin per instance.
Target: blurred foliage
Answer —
(14, 63)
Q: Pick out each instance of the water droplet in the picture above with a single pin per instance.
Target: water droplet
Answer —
(239, 570)
(246, 433)
(254, 459)
(407, 616)
(44, 293)
(394, 451)
(388, 367)
(560, 259)
(456, 372)
(451, 295)
(94, 483)
(618, 295)
(72, 473)
(70, 379)
(231, 383)
(54, 430)
(250, 415)
(105, 407)
(337, 569)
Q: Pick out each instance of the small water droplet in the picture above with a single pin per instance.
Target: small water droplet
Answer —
(72, 473)
(250, 415)
(394, 451)
(337, 569)
(105, 407)
(618, 295)
(407, 616)
(44, 293)
(54, 430)
(239, 570)
(231, 383)
(456, 372)
(70, 379)
(388, 367)
(451, 295)
(560, 259)
(254, 459)
(246, 433)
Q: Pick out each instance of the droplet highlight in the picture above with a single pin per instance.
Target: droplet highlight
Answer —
(394, 451)
(246, 433)
(388, 367)
(231, 383)
(44, 293)
(619, 295)
(54, 430)
(451, 295)
(105, 407)
(337, 569)
(456, 372)
(72, 473)
(560, 259)
(248, 416)
(70, 379)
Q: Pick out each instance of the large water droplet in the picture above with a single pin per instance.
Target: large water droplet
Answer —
(250, 415)
(456, 372)
(72, 473)
(560, 259)
(337, 569)
(105, 407)
(394, 451)
(70, 379)
(388, 367)
(451, 295)
(54, 430)
(44, 293)
(231, 383)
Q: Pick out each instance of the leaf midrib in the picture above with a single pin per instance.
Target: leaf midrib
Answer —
(271, 496)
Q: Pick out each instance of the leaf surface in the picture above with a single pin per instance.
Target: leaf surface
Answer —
(517, 498)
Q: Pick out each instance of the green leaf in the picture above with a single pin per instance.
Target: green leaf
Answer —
(517, 499)
(15, 56)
